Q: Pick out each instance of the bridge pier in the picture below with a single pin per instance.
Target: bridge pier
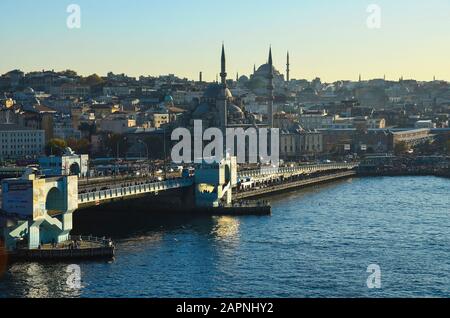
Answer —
(38, 210)
(214, 183)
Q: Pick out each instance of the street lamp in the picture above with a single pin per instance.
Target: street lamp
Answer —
(146, 148)
(117, 145)
(165, 153)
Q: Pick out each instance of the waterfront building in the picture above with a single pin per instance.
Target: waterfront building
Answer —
(372, 140)
(298, 144)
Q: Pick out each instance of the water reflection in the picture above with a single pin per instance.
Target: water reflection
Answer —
(3, 263)
(45, 280)
(226, 228)
(143, 242)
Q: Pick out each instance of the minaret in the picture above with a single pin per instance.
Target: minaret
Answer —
(270, 89)
(222, 99)
(223, 73)
(288, 70)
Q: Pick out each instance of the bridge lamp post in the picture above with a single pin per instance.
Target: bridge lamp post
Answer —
(117, 145)
(165, 154)
(146, 148)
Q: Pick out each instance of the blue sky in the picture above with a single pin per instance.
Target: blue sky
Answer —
(326, 38)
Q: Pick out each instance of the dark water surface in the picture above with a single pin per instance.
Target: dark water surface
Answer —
(318, 243)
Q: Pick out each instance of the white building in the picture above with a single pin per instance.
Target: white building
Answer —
(20, 142)
(298, 144)
(316, 121)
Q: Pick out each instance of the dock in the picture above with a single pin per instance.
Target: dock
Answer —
(79, 248)
(239, 208)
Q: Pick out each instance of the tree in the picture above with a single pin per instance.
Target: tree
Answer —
(401, 148)
(92, 80)
(81, 146)
(84, 146)
(69, 73)
(116, 142)
(55, 147)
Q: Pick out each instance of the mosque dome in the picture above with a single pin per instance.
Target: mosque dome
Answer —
(201, 110)
(235, 111)
(243, 79)
(213, 91)
(265, 69)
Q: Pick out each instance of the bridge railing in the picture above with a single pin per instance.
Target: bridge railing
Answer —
(299, 169)
(133, 190)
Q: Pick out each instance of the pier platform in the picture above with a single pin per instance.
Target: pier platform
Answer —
(240, 208)
(78, 248)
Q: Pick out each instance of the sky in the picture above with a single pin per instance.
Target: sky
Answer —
(326, 38)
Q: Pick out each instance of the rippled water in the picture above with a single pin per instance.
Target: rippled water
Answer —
(318, 243)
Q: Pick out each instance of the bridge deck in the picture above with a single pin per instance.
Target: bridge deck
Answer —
(99, 197)
(292, 171)
(265, 190)
(105, 195)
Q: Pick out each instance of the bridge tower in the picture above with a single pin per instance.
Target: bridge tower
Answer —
(214, 183)
(39, 210)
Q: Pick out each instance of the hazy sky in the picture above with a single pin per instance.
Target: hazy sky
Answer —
(327, 38)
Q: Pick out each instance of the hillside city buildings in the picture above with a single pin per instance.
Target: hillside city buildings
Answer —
(118, 115)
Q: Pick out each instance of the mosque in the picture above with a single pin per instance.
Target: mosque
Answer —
(218, 108)
(258, 80)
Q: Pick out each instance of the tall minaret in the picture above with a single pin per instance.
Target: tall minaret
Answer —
(223, 73)
(288, 70)
(222, 99)
(270, 89)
